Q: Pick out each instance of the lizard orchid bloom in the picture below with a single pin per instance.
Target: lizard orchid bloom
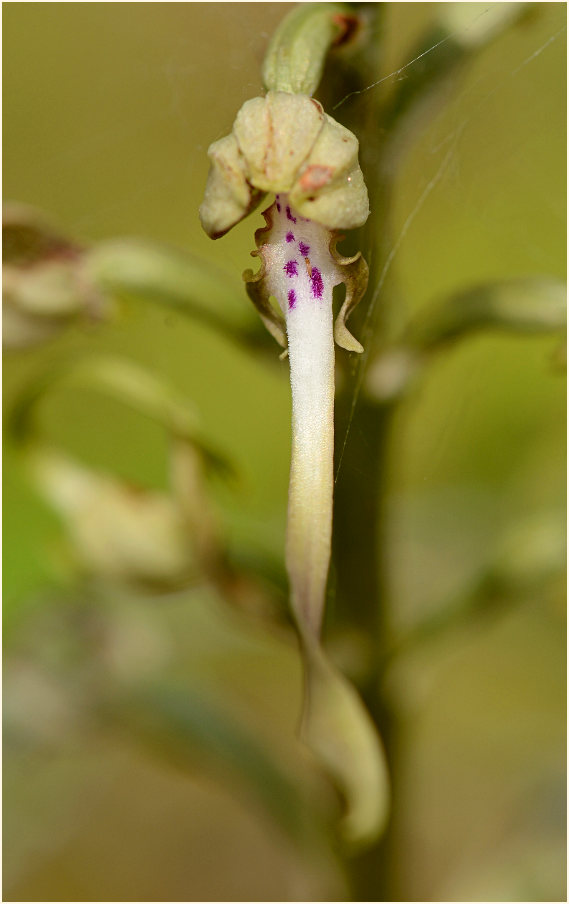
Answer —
(285, 144)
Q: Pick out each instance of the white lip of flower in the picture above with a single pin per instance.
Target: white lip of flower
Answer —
(300, 268)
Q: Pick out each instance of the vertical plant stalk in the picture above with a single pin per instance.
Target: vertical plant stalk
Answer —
(361, 524)
(360, 527)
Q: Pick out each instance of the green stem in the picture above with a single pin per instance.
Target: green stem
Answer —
(360, 520)
(360, 542)
(360, 527)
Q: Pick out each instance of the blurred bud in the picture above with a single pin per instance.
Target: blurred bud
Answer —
(390, 375)
(45, 286)
(472, 25)
(118, 531)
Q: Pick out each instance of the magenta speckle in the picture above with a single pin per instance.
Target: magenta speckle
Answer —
(303, 248)
(316, 284)
(278, 207)
(291, 298)
(291, 268)
(289, 237)
(289, 215)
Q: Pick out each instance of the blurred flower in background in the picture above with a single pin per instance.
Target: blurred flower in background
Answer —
(44, 286)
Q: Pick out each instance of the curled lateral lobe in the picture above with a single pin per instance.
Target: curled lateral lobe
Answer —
(286, 144)
(300, 256)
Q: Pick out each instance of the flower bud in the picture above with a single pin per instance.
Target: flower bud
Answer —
(296, 54)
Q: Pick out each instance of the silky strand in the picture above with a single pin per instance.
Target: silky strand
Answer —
(285, 144)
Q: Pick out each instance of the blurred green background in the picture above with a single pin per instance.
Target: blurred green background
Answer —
(108, 113)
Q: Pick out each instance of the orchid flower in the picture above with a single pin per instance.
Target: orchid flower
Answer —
(285, 144)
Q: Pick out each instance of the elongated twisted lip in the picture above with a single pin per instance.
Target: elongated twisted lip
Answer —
(300, 267)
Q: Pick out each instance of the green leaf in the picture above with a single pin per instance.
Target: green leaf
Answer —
(128, 383)
(525, 305)
(168, 277)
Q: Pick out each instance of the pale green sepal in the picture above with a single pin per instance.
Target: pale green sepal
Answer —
(330, 187)
(252, 135)
(275, 135)
(228, 195)
(296, 54)
(332, 158)
(341, 206)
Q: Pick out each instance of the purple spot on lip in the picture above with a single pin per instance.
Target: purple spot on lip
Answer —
(316, 283)
(291, 268)
(291, 298)
(289, 215)
(278, 205)
(289, 237)
(303, 248)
